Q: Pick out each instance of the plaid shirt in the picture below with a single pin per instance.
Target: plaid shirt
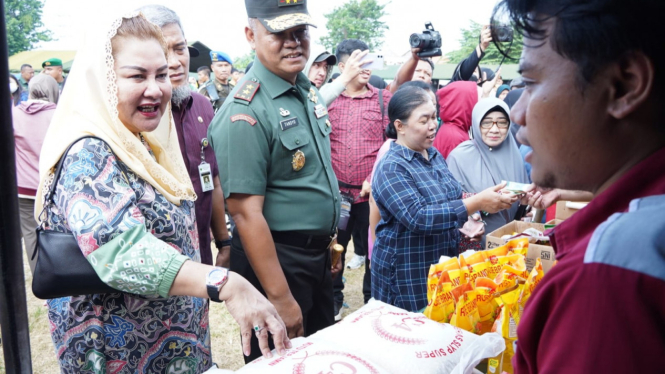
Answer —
(357, 134)
(421, 212)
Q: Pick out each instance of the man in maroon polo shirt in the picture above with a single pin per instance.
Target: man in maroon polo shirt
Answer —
(592, 111)
(192, 114)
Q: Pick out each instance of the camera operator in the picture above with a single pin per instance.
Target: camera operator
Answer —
(415, 68)
(466, 68)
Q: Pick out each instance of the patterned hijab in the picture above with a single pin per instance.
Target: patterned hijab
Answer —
(88, 106)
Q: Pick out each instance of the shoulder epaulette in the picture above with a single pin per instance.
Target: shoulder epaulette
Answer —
(247, 91)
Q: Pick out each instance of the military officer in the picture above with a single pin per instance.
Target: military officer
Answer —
(221, 67)
(53, 67)
(272, 142)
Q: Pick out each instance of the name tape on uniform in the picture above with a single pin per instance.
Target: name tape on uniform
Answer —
(288, 123)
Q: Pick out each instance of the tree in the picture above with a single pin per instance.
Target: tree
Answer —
(241, 62)
(24, 25)
(357, 19)
(470, 39)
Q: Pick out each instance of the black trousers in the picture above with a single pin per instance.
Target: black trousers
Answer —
(307, 272)
(358, 228)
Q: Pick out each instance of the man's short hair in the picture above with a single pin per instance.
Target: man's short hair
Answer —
(346, 47)
(234, 70)
(26, 66)
(591, 33)
(429, 61)
(203, 68)
(161, 16)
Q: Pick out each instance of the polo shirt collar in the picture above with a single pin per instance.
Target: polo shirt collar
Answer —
(276, 86)
(639, 181)
(408, 153)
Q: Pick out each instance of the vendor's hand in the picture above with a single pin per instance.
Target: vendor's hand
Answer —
(479, 237)
(224, 257)
(289, 310)
(336, 268)
(249, 308)
(492, 201)
(366, 189)
(353, 66)
(542, 198)
(485, 37)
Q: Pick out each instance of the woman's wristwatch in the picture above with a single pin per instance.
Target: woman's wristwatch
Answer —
(223, 243)
(215, 280)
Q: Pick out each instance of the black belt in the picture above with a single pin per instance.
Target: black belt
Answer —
(346, 185)
(299, 240)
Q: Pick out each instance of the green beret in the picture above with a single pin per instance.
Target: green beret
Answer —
(52, 62)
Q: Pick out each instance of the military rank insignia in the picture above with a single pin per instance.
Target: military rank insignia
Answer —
(290, 2)
(298, 161)
(247, 91)
(312, 95)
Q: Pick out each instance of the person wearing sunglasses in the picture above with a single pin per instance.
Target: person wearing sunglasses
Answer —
(491, 156)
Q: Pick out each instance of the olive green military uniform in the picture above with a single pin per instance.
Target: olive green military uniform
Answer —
(223, 91)
(273, 139)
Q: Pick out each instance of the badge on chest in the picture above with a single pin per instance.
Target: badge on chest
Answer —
(320, 110)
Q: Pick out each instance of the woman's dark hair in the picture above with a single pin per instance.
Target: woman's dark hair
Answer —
(419, 84)
(16, 96)
(403, 102)
(590, 33)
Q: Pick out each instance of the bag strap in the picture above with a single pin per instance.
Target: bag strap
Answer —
(48, 198)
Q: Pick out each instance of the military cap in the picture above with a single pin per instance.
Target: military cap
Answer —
(52, 62)
(279, 15)
(220, 56)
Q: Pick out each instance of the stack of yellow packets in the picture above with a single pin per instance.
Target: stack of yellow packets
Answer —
(484, 292)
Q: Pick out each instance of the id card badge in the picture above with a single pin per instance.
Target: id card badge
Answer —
(345, 211)
(206, 177)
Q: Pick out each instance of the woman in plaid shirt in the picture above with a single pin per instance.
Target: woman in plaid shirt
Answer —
(420, 202)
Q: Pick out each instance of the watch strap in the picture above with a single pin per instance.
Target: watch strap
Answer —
(222, 243)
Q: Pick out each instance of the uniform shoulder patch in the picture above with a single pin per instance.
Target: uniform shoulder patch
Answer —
(247, 90)
(244, 117)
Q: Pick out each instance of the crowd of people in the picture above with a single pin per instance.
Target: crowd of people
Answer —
(294, 160)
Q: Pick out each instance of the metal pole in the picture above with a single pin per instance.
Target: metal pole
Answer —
(13, 306)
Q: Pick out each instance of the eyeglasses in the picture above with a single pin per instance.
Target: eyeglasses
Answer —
(488, 124)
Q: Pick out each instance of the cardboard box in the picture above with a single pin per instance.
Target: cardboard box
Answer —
(552, 223)
(544, 252)
(565, 209)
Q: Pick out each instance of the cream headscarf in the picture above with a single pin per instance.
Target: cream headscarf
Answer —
(88, 106)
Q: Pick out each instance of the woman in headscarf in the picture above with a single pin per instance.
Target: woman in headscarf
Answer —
(420, 202)
(128, 200)
(456, 101)
(31, 120)
(490, 157)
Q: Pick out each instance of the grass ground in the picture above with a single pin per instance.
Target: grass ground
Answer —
(225, 334)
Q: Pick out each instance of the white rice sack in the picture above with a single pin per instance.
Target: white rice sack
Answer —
(310, 356)
(405, 342)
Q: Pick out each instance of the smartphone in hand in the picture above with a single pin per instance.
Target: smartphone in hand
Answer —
(377, 61)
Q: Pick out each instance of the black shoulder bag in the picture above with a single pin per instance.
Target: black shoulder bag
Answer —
(61, 268)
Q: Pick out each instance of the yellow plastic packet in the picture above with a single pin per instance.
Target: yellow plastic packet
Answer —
(494, 257)
(519, 246)
(535, 277)
(476, 271)
(466, 314)
(442, 306)
(433, 279)
(464, 270)
(488, 308)
(506, 325)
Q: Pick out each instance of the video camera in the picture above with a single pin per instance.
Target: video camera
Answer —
(504, 34)
(429, 42)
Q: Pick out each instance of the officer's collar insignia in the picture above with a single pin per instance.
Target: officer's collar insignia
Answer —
(247, 91)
